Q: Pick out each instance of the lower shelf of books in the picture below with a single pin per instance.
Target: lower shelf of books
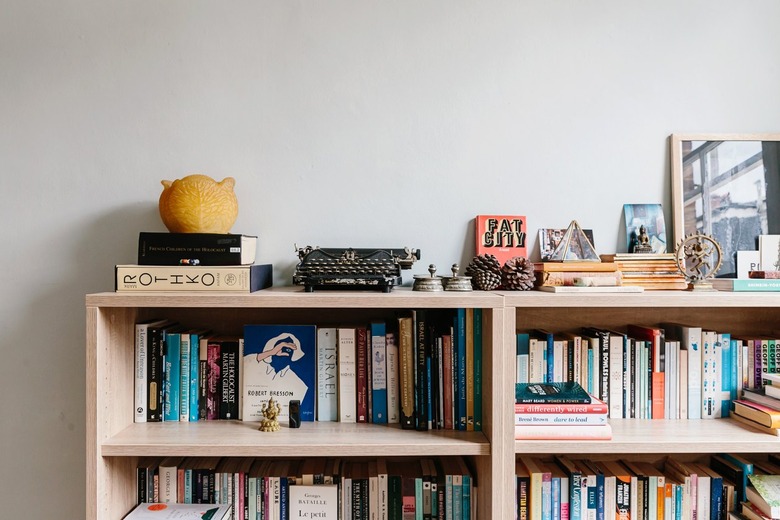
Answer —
(242, 439)
(659, 436)
(253, 487)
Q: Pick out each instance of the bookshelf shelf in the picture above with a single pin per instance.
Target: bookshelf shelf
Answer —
(242, 439)
(635, 436)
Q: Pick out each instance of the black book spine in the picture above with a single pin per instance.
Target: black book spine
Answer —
(183, 248)
(154, 374)
(228, 406)
(422, 356)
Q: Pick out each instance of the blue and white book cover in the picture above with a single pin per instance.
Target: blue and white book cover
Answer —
(280, 361)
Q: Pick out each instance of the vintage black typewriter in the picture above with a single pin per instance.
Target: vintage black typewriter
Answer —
(348, 268)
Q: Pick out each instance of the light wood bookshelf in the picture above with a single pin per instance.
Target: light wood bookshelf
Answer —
(114, 442)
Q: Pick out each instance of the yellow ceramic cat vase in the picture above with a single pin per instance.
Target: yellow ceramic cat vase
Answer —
(198, 204)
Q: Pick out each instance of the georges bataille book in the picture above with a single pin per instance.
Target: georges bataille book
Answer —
(503, 236)
(280, 361)
(196, 249)
(234, 278)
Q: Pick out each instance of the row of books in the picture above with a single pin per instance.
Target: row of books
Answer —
(422, 369)
(278, 489)
(667, 371)
(566, 488)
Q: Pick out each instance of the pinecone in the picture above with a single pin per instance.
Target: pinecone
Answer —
(517, 274)
(485, 272)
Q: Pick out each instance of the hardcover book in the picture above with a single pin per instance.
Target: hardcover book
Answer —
(234, 278)
(551, 393)
(327, 374)
(503, 236)
(196, 249)
(764, 493)
(347, 391)
(280, 362)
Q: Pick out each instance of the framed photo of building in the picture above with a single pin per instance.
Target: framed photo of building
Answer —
(726, 186)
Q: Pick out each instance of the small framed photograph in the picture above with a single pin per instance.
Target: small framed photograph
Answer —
(549, 239)
(649, 216)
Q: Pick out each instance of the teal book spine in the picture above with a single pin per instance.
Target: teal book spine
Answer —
(194, 374)
(378, 373)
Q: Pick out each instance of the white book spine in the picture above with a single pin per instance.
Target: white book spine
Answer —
(616, 376)
(141, 389)
(393, 376)
(347, 383)
(709, 375)
(327, 375)
(692, 337)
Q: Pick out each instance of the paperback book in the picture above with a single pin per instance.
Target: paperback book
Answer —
(503, 236)
(279, 362)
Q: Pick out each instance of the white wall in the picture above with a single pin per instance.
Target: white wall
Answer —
(345, 123)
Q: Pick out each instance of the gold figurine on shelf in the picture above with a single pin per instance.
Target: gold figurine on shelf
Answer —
(271, 411)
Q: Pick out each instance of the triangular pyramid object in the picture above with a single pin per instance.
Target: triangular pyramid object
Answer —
(574, 246)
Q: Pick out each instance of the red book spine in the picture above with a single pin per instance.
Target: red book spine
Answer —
(446, 349)
(361, 350)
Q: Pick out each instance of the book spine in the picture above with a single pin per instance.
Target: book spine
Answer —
(393, 376)
(523, 353)
(470, 369)
(574, 278)
(478, 327)
(347, 395)
(230, 361)
(327, 375)
(406, 365)
(203, 378)
(361, 351)
(709, 376)
(184, 377)
(447, 381)
(379, 372)
(171, 377)
(460, 363)
(205, 248)
(213, 388)
(194, 373)
(141, 383)
(422, 357)
(149, 278)
(555, 409)
(154, 374)
(561, 420)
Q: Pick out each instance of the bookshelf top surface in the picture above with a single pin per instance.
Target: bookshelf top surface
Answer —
(644, 299)
(401, 297)
(296, 297)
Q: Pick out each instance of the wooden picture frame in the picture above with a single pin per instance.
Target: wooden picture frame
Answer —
(726, 186)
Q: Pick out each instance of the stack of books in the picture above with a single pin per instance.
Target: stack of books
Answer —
(651, 271)
(559, 411)
(576, 276)
(760, 407)
(194, 262)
